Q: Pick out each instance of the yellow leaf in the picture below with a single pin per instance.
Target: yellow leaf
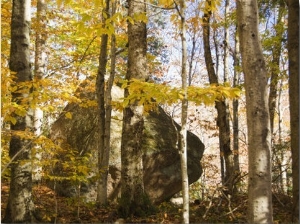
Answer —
(12, 120)
(59, 3)
(130, 20)
(68, 115)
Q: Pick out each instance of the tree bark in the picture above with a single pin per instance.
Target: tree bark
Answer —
(235, 109)
(223, 116)
(108, 110)
(39, 73)
(275, 65)
(258, 119)
(133, 199)
(293, 53)
(184, 114)
(103, 152)
(20, 205)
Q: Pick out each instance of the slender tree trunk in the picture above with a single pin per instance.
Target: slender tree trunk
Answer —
(184, 113)
(223, 117)
(100, 88)
(226, 42)
(190, 74)
(258, 119)
(132, 185)
(282, 152)
(293, 53)
(39, 73)
(20, 205)
(275, 66)
(228, 155)
(235, 110)
(108, 107)
(216, 45)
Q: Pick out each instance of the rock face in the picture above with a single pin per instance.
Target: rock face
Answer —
(162, 170)
(162, 177)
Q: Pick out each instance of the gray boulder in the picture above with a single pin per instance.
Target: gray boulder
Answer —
(162, 169)
(162, 176)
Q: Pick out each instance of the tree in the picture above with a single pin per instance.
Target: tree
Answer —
(223, 116)
(133, 198)
(276, 51)
(20, 205)
(293, 53)
(108, 96)
(39, 73)
(103, 157)
(235, 107)
(258, 119)
(184, 112)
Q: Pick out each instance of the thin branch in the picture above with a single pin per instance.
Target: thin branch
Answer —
(18, 153)
(177, 9)
(156, 6)
(72, 61)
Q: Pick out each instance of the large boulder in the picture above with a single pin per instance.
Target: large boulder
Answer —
(161, 160)
(162, 169)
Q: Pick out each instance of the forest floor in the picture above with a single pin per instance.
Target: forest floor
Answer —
(53, 209)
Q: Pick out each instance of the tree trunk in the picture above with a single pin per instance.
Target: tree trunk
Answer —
(282, 151)
(20, 205)
(184, 114)
(235, 109)
(226, 42)
(39, 73)
(103, 153)
(293, 53)
(133, 199)
(108, 108)
(193, 51)
(223, 116)
(258, 119)
(228, 155)
(276, 51)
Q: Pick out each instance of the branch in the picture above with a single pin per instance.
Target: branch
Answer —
(177, 9)
(155, 6)
(18, 153)
(72, 61)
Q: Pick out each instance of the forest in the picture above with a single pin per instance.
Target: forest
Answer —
(150, 111)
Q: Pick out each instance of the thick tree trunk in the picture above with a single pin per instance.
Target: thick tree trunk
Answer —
(103, 152)
(133, 197)
(223, 116)
(258, 119)
(293, 52)
(20, 206)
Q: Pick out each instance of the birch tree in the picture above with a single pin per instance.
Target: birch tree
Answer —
(39, 73)
(20, 205)
(184, 112)
(257, 112)
(235, 108)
